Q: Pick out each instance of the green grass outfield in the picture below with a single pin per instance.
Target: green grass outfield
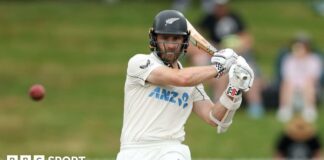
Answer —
(79, 51)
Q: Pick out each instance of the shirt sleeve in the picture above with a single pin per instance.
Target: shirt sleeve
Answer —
(315, 67)
(199, 93)
(315, 143)
(287, 69)
(282, 144)
(139, 68)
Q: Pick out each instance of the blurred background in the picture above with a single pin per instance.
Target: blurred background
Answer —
(79, 51)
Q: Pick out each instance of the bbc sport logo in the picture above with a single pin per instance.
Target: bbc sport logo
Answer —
(43, 157)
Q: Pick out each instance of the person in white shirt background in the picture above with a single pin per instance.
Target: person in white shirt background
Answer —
(301, 71)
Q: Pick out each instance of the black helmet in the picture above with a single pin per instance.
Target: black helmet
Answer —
(169, 22)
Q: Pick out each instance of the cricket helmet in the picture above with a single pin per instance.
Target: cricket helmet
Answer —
(169, 22)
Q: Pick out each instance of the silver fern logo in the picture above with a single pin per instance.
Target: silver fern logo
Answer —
(171, 20)
(145, 65)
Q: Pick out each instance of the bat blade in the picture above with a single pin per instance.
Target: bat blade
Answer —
(199, 41)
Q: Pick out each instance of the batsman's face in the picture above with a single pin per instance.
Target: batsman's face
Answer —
(170, 46)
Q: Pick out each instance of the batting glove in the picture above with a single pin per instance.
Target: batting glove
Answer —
(223, 60)
(241, 76)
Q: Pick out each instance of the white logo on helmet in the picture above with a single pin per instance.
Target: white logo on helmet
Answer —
(171, 20)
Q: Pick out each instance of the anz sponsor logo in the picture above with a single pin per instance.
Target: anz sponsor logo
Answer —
(170, 96)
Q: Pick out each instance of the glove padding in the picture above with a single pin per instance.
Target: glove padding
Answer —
(231, 104)
(223, 60)
(241, 75)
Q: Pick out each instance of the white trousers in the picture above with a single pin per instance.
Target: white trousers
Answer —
(155, 151)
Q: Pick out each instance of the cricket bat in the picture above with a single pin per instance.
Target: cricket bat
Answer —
(199, 41)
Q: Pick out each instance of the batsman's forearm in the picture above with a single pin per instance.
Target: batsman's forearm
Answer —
(219, 111)
(195, 75)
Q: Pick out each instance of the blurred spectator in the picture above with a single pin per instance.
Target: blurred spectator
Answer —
(300, 73)
(226, 30)
(299, 141)
(271, 92)
(222, 22)
(284, 51)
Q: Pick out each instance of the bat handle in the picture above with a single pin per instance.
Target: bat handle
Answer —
(212, 49)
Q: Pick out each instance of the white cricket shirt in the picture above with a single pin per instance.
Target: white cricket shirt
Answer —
(151, 112)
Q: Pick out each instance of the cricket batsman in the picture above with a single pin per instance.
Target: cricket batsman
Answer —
(160, 94)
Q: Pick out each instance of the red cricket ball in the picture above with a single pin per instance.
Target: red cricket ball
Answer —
(37, 92)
